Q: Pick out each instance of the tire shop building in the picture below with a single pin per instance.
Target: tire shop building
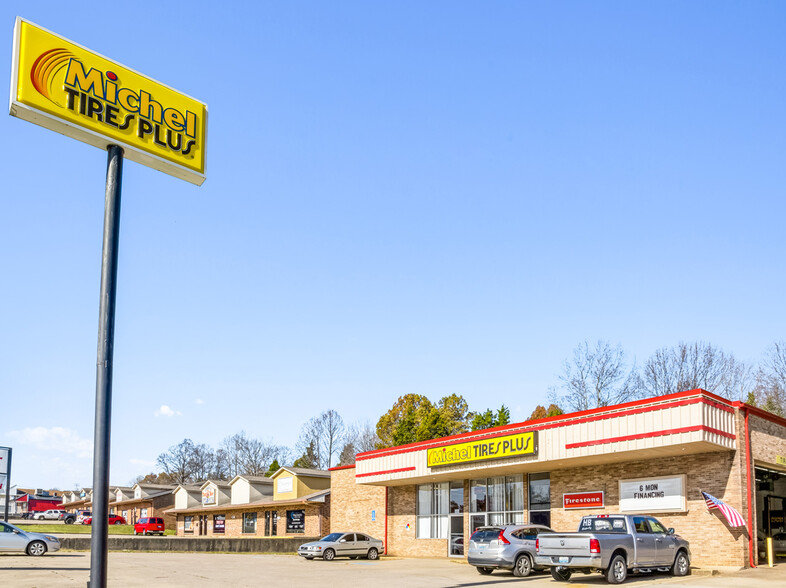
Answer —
(651, 456)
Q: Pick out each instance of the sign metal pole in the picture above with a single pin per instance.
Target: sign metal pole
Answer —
(7, 484)
(106, 338)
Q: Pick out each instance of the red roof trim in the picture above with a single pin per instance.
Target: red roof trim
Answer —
(396, 471)
(344, 467)
(760, 412)
(651, 404)
(649, 435)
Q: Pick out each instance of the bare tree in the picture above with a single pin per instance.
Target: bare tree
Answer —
(770, 389)
(688, 366)
(322, 436)
(178, 461)
(358, 438)
(596, 376)
(203, 462)
(248, 455)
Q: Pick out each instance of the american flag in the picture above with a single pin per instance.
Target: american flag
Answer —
(735, 518)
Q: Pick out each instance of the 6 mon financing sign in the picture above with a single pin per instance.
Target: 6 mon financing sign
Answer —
(64, 87)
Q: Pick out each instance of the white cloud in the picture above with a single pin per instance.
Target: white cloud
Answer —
(166, 411)
(53, 440)
(199, 401)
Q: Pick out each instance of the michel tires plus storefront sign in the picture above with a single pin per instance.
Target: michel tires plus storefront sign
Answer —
(67, 88)
(494, 448)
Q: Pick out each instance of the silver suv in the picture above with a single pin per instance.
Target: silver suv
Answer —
(509, 547)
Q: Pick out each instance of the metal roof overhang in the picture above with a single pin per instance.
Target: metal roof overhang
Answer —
(518, 466)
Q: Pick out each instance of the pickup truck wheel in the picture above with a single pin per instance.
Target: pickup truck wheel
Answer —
(560, 574)
(681, 566)
(484, 571)
(523, 566)
(617, 571)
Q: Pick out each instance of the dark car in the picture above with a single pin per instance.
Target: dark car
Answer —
(68, 518)
(149, 526)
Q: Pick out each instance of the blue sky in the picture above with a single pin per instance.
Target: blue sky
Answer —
(402, 197)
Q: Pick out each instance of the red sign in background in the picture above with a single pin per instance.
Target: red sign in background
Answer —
(582, 500)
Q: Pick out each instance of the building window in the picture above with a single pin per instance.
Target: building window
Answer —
(267, 523)
(219, 523)
(497, 501)
(432, 511)
(144, 513)
(296, 521)
(188, 523)
(249, 522)
(540, 499)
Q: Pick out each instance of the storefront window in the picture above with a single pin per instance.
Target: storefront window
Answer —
(477, 495)
(540, 499)
(188, 524)
(500, 498)
(267, 523)
(143, 513)
(219, 523)
(296, 521)
(249, 522)
(456, 497)
(432, 511)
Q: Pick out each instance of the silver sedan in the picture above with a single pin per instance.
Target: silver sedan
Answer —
(15, 539)
(352, 545)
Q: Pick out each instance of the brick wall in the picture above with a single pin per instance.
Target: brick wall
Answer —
(402, 526)
(712, 542)
(768, 439)
(353, 504)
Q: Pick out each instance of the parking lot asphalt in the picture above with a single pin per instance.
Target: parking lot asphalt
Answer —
(67, 569)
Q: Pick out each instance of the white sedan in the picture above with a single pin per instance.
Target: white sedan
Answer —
(15, 539)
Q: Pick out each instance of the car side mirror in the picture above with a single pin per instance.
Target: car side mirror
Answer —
(16, 531)
(343, 541)
(671, 531)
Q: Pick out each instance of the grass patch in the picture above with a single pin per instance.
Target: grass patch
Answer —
(81, 529)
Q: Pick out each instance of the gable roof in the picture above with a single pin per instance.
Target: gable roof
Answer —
(303, 472)
(252, 479)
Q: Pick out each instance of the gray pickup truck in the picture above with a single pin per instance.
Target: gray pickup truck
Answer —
(614, 545)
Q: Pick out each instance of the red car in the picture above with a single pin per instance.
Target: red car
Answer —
(113, 520)
(149, 526)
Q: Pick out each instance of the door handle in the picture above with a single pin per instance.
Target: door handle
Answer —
(639, 539)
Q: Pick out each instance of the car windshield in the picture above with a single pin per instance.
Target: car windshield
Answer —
(332, 537)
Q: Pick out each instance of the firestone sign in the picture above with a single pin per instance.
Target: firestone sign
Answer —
(494, 448)
(576, 500)
(67, 88)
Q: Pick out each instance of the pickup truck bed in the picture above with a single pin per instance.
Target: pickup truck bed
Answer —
(613, 545)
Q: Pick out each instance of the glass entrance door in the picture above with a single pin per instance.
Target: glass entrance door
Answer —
(456, 522)
(456, 535)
